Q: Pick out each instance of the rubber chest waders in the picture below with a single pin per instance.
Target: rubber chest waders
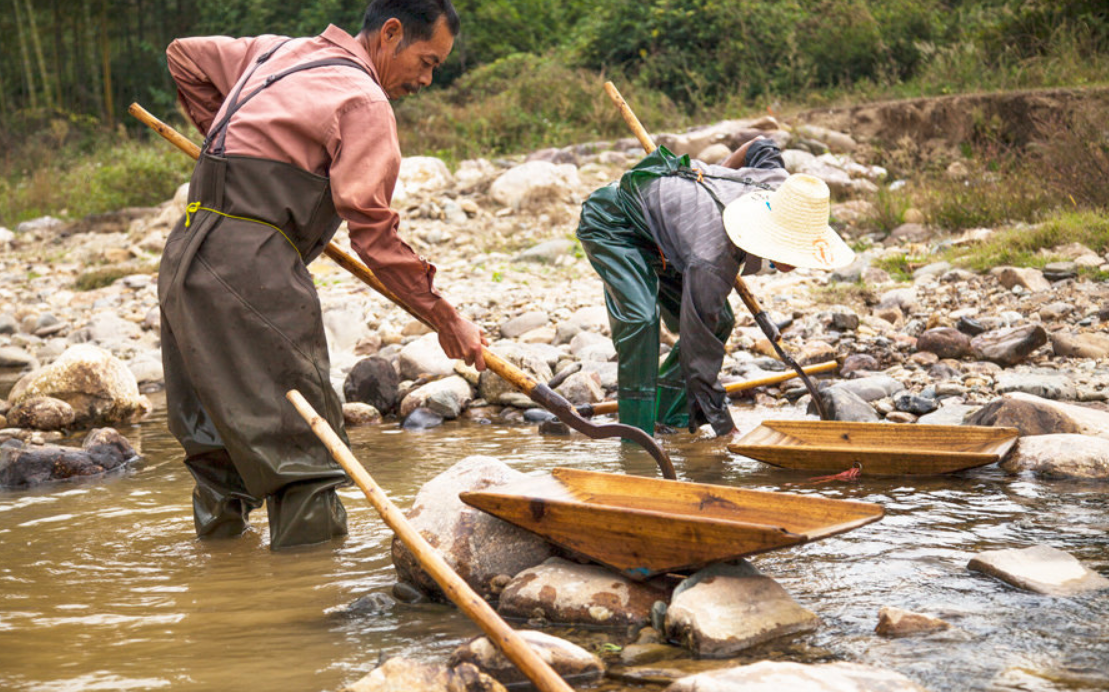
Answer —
(242, 325)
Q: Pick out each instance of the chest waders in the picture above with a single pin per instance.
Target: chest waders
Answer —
(242, 325)
(641, 288)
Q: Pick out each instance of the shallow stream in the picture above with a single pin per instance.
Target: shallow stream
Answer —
(104, 587)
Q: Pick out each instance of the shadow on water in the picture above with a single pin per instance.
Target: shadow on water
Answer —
(103, 586)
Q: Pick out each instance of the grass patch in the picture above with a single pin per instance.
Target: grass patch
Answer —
(899, 266)
(853, 294)
(1025, 246)
(106, 276)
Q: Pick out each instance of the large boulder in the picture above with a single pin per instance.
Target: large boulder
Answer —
(1007, 347)
(406, 675)
(1085, 345)
(482, 549)
(41, 413)
(535, 184)
(573, 664)
(447, 397)
(27, 466)
(373, 381)
(565, 592)
(779, 676)
(1039, 568)
(724, 609)
(945, 342)
(1061, 456)
(98, 386)
(1033, 415)
(424, 356)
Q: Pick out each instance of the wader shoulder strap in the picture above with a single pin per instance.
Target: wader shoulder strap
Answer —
(236, 103)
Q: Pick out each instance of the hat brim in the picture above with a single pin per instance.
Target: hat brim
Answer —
(751, 228)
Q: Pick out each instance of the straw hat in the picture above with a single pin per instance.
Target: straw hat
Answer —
(789, 225)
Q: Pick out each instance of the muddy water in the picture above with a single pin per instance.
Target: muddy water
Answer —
(103, 586)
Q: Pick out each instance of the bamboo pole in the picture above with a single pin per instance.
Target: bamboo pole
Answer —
(503, 637)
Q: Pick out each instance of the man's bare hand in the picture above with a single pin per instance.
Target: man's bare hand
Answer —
(463, 339)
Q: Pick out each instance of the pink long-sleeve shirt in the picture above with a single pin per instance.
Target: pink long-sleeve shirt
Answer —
(334, 121)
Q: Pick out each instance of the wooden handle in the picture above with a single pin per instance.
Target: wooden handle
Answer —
(503, 637)
(733, 388)
(173, 136)
(516, 377)
(629, 117)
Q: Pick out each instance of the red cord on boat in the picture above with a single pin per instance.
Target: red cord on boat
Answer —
(851, 474)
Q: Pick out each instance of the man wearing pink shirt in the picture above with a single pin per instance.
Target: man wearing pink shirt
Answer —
(299, 134)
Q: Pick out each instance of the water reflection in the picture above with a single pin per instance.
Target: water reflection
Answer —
(103, 586)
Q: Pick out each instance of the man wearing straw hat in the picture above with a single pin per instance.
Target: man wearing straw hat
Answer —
(668, 240)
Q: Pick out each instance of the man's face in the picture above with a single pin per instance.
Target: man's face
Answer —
(403, 68)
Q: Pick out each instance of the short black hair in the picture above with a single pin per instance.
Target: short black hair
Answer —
(418, 17)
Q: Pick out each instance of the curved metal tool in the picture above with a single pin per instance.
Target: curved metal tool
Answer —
(539, 393)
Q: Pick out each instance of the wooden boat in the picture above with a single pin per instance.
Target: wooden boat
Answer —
(648, 526)
(880, 449)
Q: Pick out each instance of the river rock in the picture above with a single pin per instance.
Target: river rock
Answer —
(524, 323)
(1039, 568)
(421, 174)
(424, 356)
(478, 546)
(582, 388)
(916, 404)
(26, 466)
(1058, 271)
(871, 388)
(588, 319)
(356, 413)
(714, 153)
(1045, 385)
(421, 418)
(1061, 456)
(547, 252)
(815, 352)
(895, 622)
(846, 405)
(1007, 347)
(858, 362)
(110, 330)
(565, 592)
(1027, 278)
(534, 184)
(41, 413)
(945, 342)
(724, 609)
(406, 675)
(1033, 415)
(573, 664)
(1085, 345)
(373, 381)
(99, 387)
(447, 397)
(494, 389)
(15, 357)
(778, 676)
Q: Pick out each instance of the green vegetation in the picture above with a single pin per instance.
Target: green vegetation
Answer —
(106, 276)
(527, 74)
(1029, 246)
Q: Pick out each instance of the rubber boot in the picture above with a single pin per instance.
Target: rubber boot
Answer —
(673, 404)
(221, 503)
(637, 409)
(306, 513)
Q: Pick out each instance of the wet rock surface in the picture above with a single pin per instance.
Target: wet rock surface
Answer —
(573, 664)
(1040, 568)
(103, 451)
(768, 676)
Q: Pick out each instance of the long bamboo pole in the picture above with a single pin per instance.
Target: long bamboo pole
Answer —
(503, 637)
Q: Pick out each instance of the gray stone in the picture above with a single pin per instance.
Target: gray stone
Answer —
(725, 609)
(572, 663)
(871, 388)
(41, 413)
(421, 419)
(407, 675)
(147, 370)
(910, 233)
(548, 252)
(1041, 569)
(1085, 345)
(933, 269)
(915, 404)
(534, 184)
(1007, 347)
(1061, 456)
(524, 323)
(1033, 415)
(424, 356)
(355, 413)
(99, 387)
(43, 224)
(777, 676)
(945, 342)
(582, 388)
(446, 397)
(108, 328)
(103, 450)
(373, 381)
(845, 405)
(478, 546)
(895, 622)
(714, 153)
(1047, 386)
(1026, 277)
(494, 389)
(948, 414)
(552, 155)
(14, 357)
(345, 326)
(8, 325)
(857, 362)
(1059, 271)
(903, 299)
(569, 593)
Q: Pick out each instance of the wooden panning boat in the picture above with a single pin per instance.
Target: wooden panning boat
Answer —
(642, 527)
(880, 449)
